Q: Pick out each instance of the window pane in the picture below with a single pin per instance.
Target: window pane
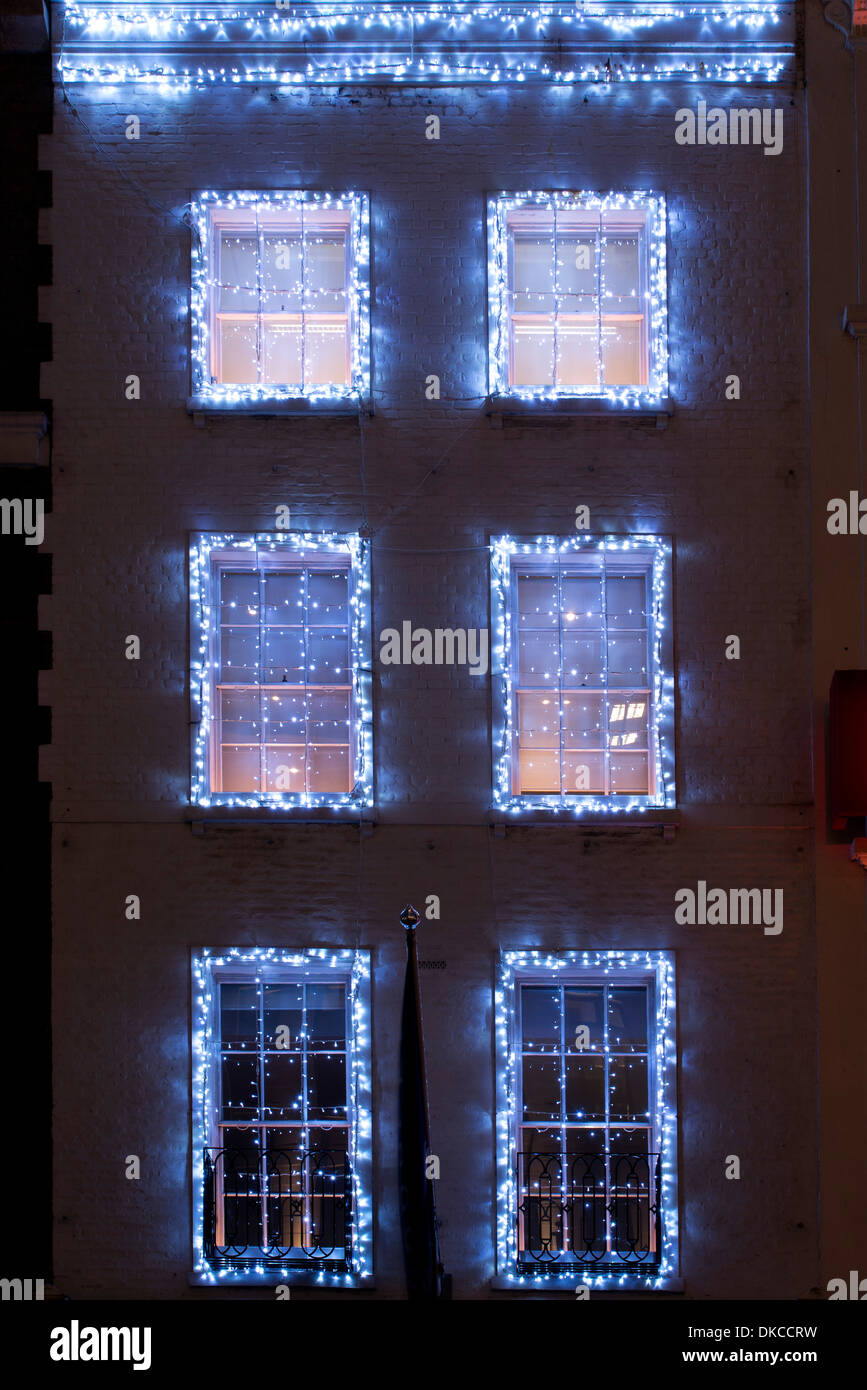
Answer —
(538, 658)
(240, 1141)
(239, 716)
(240, 1087)
(284, 597)
(239, 598)
(627, 1019)
(328, 1138)
(582, 601)
(533, 356)
(538, 720)
(627, 660)
(576, 270)
(537, 600)
(533, 272)
(285, 769)
(282, 1005)
(326, 274)
(326, 349)
(239, 1015)
(620, 268)
(329, 716)
(583, 724)
(240, 768)
(585, 1088)
(577, 363)
(329, 658)
(281, 273)
(284, 655)
(326, 1015)
(631, 1141)
(539, 772)
(628, 720)
(534, 1140)
(239, 652)
(330, 769)
(284, 717)
(621, 354)
(625, 600)
(238, 272)
(328, 601)
(238, 353)
(584, 1009)
(583, 773)
(283, 1085)
(541, 1088)
(630, 774)
(582, 661)
(628, 1087)
(326, 1085)
(540, 1018)
(282, 365)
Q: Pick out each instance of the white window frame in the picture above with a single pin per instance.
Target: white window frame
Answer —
(650, 554)
(504, 210)
(266, 213)
(272, 965)
(655, 970)
(210, 555)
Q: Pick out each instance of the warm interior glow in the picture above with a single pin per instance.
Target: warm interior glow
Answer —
(577, 286)
(284, 694)
(581, 681)
(279, 297)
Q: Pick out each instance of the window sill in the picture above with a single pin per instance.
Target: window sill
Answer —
(295, 1278)
(202, 407)
(215, 817)
(567, 408)
(666, 820)
(667, 1284)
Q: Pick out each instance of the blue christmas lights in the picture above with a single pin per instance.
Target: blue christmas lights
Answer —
(540, 967)
(505, 552)
(281, 963)
(654, 299)
(206, 211)
(206, 550)
(423, 41)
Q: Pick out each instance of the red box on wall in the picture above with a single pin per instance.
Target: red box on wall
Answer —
(847, 746)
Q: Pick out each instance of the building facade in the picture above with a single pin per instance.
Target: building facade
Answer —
(431, 444)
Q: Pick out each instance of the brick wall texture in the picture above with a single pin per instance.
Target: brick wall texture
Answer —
(726, 480)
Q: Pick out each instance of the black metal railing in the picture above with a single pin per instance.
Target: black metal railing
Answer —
(277, 1207)
(592, 1209)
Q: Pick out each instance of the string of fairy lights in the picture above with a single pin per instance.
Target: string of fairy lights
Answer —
(506, 552)
(428, 41)
(276, 963)
(300, 213)
(207, 553)
(649, 294)
(541, 967)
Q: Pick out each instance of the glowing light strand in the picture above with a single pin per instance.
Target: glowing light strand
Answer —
(539, 967)
(204, 286)
(354, 966)
(504, 549)
(205, 620)
(652, 396)
(424, 42)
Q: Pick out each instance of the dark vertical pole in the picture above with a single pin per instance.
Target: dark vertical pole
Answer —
(424, 1275)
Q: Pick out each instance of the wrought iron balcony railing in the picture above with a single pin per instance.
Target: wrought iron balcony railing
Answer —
(277, 1207)
(592, 1209)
